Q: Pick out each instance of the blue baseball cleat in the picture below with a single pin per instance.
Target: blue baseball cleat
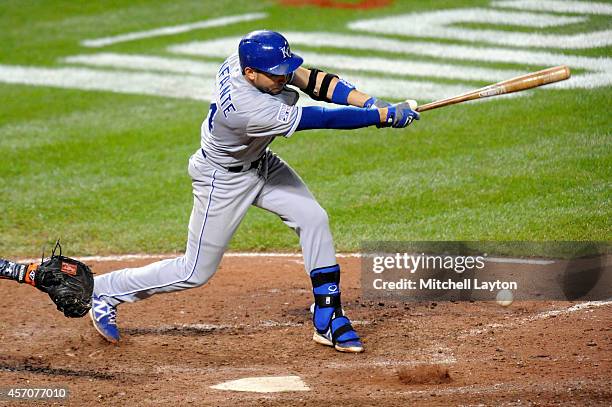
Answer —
(103, 316)
(341, 336)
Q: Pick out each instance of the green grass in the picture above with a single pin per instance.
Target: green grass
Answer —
(107, 172)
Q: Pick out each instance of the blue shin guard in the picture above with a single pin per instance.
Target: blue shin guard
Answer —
(332, 327)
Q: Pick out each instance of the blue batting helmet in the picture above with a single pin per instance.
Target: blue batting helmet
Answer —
(267, 51)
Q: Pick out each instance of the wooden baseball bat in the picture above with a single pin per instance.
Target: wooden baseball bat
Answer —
(523, 82)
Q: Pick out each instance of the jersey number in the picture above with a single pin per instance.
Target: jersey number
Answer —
(211, 116)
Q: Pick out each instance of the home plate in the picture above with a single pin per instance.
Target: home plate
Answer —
(265, 384)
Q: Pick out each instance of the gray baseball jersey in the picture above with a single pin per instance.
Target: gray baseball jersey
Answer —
(241, 123)
(242, 120)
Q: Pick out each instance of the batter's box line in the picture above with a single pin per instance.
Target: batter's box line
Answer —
(589, 305)
(201, 329)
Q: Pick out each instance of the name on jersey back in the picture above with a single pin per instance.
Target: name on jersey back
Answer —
(225, 96)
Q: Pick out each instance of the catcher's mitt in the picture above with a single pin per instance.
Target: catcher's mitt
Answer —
(68, 282)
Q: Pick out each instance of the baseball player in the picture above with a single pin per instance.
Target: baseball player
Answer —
(252, 104)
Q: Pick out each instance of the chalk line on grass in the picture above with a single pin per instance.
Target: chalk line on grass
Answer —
(557, 6)
(443, 24)
(180, 86)
(172, 30)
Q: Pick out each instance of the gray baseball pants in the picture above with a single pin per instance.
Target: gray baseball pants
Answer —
(221, 200)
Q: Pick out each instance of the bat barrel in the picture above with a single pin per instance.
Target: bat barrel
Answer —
(535, 79)
(519, 83)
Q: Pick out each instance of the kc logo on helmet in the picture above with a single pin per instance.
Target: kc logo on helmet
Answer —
(286, 51)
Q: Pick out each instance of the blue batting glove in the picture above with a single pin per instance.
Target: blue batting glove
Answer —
(374, 102)
(400, 115)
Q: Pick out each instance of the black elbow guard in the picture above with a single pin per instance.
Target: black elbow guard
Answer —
(312, 81)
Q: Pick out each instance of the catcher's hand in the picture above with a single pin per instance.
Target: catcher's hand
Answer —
(68, 282)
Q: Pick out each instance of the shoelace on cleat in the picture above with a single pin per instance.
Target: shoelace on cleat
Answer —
(102, 310)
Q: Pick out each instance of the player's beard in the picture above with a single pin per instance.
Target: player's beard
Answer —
(276, 90)
(271, 90)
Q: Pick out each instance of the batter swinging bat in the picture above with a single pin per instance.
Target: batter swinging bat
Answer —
(523, 82)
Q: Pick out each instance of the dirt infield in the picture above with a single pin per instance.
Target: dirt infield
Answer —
(252, 319)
